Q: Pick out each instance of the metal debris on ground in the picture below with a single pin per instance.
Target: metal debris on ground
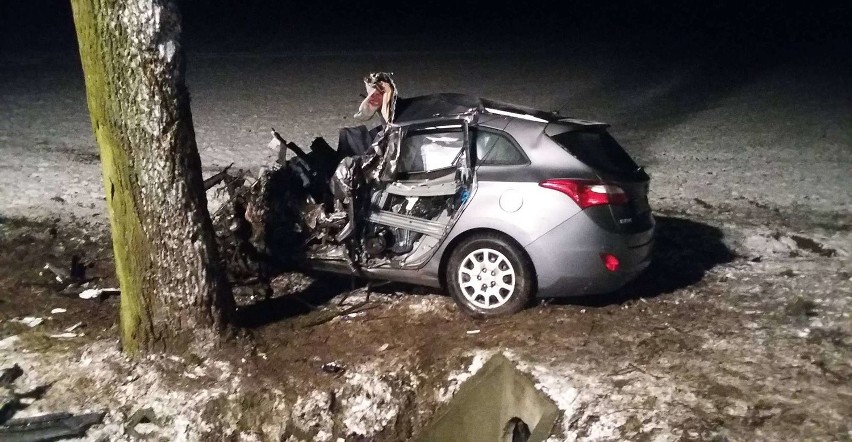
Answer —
(98, 293)
(353, 309)
(59, 274)
(49, 427)
(333, 367)
(66, 335)
(29, 321)
(74, 327)
(75, 274)
(8, 375)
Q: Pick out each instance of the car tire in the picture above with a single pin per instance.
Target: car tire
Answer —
(489, 275)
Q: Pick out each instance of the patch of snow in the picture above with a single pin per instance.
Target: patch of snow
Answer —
(167, 50)
(594, 409)
(427, 304)
(94, 293)
(126, 386)
(313, 412)
(457, 378)
(369, 403)
(369, 399)
(9, 343)
(29, 321)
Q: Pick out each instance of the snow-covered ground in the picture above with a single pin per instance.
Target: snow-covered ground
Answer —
(760, 157)
(778, 135)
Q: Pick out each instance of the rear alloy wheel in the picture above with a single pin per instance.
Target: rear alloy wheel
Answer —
(489, 276)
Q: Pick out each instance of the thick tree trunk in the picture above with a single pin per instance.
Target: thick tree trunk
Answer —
(173, 286)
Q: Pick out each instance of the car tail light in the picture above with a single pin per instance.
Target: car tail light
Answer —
(587, 193)
(610, 261)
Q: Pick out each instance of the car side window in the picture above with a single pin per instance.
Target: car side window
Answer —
(494, 149)
(428, 151)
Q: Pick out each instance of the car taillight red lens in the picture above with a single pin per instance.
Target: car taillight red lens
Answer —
(587, 193)
(610, 261)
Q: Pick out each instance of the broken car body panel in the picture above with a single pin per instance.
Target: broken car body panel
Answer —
(445, 166)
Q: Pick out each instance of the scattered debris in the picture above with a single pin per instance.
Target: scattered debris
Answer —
(29, 321)
(381, 94)
(59, 274)
(49, 426)
(333, 367)
(98, 293)
(812, 246)
(76, 273)
(66, 335)
(209, 183)
(45, 427)
(702, 203)
(351, 310)
(8, 375)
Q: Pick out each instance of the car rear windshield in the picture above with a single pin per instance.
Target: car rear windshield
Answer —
(597, 149)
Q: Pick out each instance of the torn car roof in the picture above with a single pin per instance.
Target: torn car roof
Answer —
(425, 107)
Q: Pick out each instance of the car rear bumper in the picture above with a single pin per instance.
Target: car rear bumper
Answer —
(568, 263)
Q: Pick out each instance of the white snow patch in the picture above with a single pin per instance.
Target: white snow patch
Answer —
(427, 304)
(313, 412)
(593, 408)
(124, 386)
(9, 343)
(369, 404)
(167, 50)
(29, 321)
(459, 377)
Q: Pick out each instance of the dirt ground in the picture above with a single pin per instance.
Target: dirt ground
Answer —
(716, 340)
(740, 329)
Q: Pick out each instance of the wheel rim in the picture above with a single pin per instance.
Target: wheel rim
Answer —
(487, 278)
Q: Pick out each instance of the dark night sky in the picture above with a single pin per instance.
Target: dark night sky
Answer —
(750, 33)
(657, 27)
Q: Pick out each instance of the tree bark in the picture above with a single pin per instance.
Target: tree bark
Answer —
(173, 286)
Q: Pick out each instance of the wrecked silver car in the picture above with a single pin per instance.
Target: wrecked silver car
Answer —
(494, 202)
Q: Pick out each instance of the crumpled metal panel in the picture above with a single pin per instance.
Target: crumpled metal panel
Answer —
(381, 94)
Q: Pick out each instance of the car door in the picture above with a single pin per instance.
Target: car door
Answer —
(416, 206)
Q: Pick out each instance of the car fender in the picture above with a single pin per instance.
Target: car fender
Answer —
(523, 211)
